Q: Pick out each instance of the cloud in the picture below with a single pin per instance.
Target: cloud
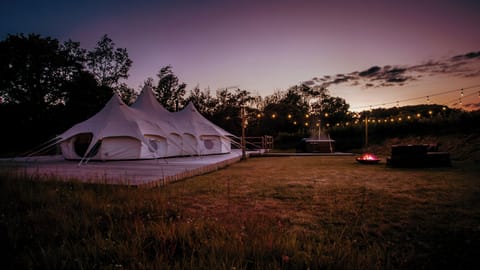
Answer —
(396, 71)
(369, 72)
(427, 67)
(462, 65)
(373, 77)
(391, 74)
(466, 56)
(473, 74)
(341, 78)
(472, 106)
(309, 83)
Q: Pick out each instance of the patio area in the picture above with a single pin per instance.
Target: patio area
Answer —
(142, 173)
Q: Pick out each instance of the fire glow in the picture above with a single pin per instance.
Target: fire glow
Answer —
(368, 158)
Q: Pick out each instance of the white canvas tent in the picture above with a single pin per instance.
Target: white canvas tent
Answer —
(116, 132)
(148, 104)
(204, 135)
(145, 130)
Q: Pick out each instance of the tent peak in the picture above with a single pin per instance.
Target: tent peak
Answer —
(191, 107)
(147, 102)
(117, 99)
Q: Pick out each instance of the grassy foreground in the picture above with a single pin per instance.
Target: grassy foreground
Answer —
(263, 213)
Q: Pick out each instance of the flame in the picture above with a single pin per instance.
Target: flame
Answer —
(368, 156)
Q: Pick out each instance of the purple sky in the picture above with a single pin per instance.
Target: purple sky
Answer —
(420, 47)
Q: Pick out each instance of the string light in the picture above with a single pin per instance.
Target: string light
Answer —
(392, 119)
(457, 101)
(384, 104)
(461, 96)
(388, 120)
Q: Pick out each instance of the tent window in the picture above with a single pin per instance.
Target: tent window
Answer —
(208, 144)
(81, 143)
(153, 144)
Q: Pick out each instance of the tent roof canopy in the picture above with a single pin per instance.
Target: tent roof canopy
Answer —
(146, 117)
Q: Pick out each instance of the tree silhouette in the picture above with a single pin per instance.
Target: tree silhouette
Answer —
(34, 74)
(33, 70)
(107, 63)
(169, 91)
(203, 101)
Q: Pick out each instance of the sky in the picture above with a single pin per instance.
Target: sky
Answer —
(371, 53)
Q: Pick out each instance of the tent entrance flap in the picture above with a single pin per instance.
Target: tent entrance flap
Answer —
(81, 143)
(76, 147)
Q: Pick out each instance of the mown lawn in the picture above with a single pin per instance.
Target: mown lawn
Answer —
(263, 213)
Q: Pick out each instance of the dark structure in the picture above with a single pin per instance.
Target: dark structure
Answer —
(315, 145)
(418, 155)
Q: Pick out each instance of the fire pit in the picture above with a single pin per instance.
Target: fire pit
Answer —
(368, 158)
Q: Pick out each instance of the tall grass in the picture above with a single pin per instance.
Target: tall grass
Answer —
(268, 213)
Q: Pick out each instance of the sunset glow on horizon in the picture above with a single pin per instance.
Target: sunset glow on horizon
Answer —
(371, 53)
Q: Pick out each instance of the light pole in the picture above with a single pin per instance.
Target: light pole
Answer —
(243, 117)
(366, 131)
(319, 128)
(316, 112)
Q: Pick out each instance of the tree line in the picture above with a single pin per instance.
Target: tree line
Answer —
(47, 86)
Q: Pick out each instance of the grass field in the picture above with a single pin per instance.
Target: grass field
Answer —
(262, 213)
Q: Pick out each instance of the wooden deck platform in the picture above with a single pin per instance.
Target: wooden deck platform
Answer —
(141, 173)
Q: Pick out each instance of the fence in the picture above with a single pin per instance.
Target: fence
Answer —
(264, 143)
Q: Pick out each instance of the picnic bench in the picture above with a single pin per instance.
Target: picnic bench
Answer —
(418, 155)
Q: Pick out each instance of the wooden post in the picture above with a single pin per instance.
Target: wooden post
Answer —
(242, 111)
(366, 131)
